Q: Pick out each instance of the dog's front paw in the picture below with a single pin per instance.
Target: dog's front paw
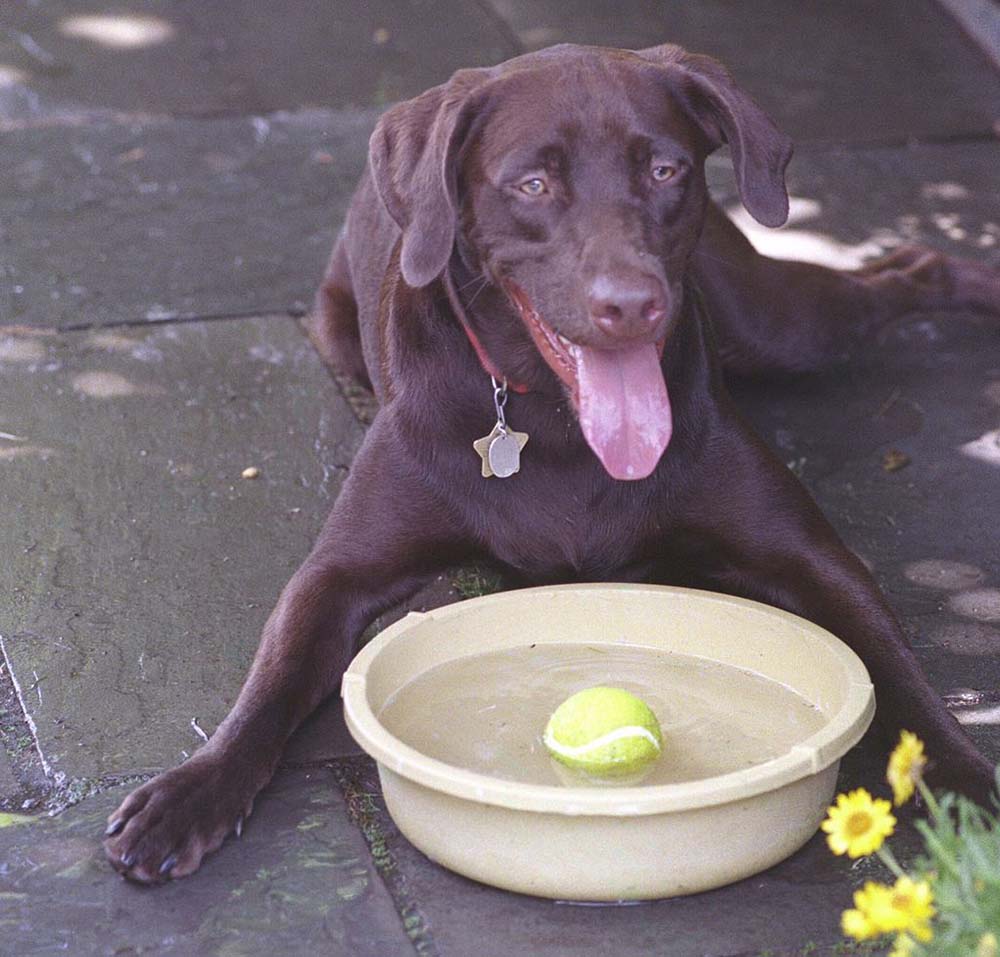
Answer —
(164, 828)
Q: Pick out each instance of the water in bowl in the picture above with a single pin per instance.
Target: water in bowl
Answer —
(487, 712)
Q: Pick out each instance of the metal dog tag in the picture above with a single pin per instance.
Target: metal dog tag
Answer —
(500, 451)
(504, 455)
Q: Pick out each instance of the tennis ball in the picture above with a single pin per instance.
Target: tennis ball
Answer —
(604, 731)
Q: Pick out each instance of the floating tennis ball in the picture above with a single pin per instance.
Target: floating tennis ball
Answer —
(604, 731)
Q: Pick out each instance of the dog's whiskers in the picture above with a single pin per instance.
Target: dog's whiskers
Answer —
(739, 267)
(486, 282)
(476, 278)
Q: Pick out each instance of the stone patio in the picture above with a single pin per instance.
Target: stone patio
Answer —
(165, 214)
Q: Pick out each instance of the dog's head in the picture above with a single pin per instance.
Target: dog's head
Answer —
(573, 179)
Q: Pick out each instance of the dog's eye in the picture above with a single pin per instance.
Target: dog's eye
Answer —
(661, 172)
(533, 187)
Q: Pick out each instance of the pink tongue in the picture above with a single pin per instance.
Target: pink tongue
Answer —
(624, 408)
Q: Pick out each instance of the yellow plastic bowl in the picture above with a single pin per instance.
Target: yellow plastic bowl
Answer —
(605, 844)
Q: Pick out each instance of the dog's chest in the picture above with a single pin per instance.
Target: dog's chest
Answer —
(564, 524)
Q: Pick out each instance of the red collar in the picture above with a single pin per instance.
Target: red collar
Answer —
(484, 360)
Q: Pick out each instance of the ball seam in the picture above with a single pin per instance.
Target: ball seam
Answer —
(581, 750)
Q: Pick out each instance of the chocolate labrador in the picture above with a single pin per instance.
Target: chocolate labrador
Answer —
(533, 249)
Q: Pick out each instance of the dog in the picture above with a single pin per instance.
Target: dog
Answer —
(533, 245)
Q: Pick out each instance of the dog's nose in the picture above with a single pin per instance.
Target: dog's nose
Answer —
(626, 307)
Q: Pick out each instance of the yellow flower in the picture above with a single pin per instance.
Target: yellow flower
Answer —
(855, 924)
(903, 946)
(873, 902)
(906, 907)
(987, 945)
(858, 824)
(906, 766)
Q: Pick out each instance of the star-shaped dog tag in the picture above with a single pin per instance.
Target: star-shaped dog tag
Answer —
(501, 451)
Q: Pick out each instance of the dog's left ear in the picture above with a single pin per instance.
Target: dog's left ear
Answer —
(726, 114)
(412, 155)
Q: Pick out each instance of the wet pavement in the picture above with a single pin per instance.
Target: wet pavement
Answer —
(301, 882)
(171, 185)
(184, 195)
(128, 481)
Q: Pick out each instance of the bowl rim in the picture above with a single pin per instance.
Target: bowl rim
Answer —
(809, 757)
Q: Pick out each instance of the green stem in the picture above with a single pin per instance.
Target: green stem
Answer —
(931, 839)
(932, 804)
(886, 856)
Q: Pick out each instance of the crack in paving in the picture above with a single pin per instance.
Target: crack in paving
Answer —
(961, 138)
(26, 719)
(182, 318)
(40, 788)
(362, 401)
(75, 119)
(360, 798)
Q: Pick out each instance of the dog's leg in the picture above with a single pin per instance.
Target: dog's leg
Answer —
(760, 535)
(776, 316)
(385, 537)
(333, 323)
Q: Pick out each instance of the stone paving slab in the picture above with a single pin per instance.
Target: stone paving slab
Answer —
(123, 221)
(849, 71)
(239, 56)
(8, 783)
(300, 881)
(139, 566)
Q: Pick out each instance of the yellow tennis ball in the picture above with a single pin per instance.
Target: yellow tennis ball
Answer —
(604, 731)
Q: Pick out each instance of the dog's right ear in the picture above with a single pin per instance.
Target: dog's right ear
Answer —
(726, 114)
(412, 155)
